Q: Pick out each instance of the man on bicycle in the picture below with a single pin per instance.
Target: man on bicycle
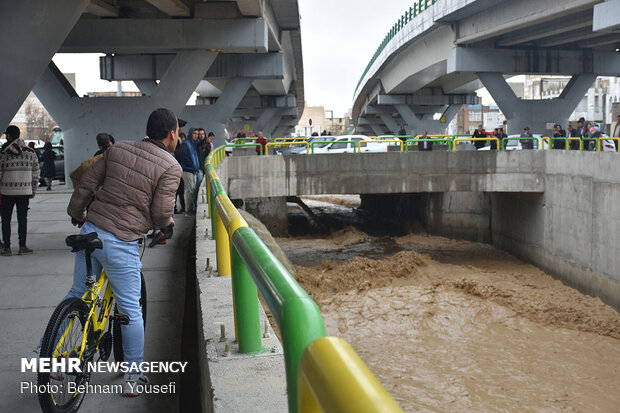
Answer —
(132, 187)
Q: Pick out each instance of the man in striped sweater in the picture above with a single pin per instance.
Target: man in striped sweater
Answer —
(19, 176)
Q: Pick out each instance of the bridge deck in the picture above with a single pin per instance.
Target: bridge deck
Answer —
(380, 173)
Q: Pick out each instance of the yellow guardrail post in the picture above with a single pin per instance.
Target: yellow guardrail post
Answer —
(222, 245)
(610, 139)
(325, 386)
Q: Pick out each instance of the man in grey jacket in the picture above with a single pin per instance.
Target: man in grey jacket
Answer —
(132, 188)
(19, 177)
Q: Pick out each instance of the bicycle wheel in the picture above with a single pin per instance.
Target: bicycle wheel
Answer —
(117, 335)
(68, 320)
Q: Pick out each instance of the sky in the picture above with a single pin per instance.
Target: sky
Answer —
(338, 40)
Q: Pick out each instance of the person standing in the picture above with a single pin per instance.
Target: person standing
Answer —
(19, 177)
(263, 143)
(189, 163)
(527, 143)
(615, 130)
(558, 132)
(138, 181)
(49, 169)
(425, 146)
(571, 132)
(480, 133)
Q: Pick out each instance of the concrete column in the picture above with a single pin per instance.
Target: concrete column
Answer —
(28, 42)
(377, 129)
(390, 123)
(125, 118)
(420, 123)
(214, 118)
(536, 113)
(146, 86)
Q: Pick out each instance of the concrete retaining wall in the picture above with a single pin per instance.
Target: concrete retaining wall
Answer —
(572, 230)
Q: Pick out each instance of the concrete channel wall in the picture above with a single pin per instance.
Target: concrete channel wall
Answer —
(559, 210)
(572, 230)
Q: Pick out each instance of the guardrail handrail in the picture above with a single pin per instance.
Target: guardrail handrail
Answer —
(298, 317)
(417, 140)
(245, 145)
(315, 142)
(286, 144)
(455, 141)
(359, 144)
(522, 138)
(418, 7)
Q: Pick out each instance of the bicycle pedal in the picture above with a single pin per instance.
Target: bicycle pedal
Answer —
(122, 319)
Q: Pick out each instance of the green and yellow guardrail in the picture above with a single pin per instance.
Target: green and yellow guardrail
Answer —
(599, 148)
(359, 143)
(455, 141)
(331, 375)
(524, 138)
(284, 143)
(245, 145)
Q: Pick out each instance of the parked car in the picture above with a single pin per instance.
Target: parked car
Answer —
(301, 149)
(348, 144)
(515, 145)
(59, 162)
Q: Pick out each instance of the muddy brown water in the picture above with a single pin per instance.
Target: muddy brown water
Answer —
(452, 326)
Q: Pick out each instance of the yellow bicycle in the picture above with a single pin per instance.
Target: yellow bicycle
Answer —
(77, 330)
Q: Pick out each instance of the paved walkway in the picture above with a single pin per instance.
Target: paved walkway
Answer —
(33, 285)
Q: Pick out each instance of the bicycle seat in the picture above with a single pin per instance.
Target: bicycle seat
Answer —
(88, 242)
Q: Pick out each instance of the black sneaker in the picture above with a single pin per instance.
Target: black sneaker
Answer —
(160, 238)
(24, 250)
(6, 252)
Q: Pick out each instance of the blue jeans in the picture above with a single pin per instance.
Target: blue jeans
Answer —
(121, 261)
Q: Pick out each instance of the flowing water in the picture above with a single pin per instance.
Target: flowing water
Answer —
(452, 326)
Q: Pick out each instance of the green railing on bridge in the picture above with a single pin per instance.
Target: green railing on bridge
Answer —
(418, 7)
(322, 373)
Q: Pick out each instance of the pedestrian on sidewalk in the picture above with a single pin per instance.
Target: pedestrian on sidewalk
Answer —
(19, 177)
(49, 169)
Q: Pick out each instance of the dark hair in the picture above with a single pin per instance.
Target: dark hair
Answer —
(200, 129)
(47, 146)
(103, 140)
(112, 141)
(12, 131)
(160, 123)
(211, 134)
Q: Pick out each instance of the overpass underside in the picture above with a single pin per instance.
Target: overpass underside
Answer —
(555, 209)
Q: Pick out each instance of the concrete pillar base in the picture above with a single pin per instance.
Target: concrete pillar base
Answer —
(272, 212)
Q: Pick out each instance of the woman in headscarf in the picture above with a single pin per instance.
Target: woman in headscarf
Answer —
(48, 170)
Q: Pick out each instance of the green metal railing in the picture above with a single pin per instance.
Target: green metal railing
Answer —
(525, 138)
(418, 7)
(254, 268)
(245, 145)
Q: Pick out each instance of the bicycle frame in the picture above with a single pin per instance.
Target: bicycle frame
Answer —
(99, 321)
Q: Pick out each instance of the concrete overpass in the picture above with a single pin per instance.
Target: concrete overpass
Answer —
(242, 57)
(437, 54)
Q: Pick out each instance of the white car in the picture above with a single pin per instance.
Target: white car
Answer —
(348, 144)
(516, 145)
